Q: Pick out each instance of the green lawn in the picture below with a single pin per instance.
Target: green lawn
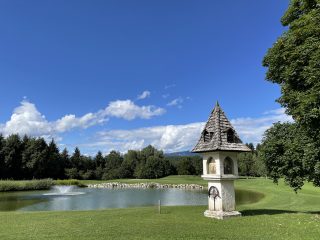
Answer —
(281, 214)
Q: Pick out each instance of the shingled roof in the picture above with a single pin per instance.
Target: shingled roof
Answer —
(219, 135)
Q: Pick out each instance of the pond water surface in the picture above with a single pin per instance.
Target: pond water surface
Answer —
(91, 198)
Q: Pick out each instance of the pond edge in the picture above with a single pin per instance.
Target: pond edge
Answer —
(111, 185)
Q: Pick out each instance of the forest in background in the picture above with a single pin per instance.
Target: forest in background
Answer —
(34, 158)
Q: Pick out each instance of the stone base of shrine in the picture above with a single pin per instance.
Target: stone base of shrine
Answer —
(221, 215)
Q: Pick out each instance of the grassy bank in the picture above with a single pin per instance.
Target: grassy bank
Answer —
(174, 179)
(281, 214)
(16, 185)
(38, 184)
(10, 185)
(69, 182)
(43, 184)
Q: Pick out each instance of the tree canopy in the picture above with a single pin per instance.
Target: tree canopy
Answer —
(289, 153)
(293, 62)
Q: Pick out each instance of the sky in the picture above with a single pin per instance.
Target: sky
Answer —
(118, 75)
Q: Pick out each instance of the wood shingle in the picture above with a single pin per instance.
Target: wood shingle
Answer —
(219, 135)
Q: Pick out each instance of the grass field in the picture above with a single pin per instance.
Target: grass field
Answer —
(281, 214)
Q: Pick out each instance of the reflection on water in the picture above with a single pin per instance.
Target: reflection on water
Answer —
(246, 197)
(98, 199)
(11, 201)
(110, 198)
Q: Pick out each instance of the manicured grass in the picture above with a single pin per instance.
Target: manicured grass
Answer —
(281, 197)
(281, 214)
(145, 223)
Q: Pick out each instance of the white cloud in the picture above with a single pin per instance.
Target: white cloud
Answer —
(170, 138)
(278, 111)
(144, 95)
(252, 129)
(70, 121)
(176, 102)
(126, 109)
(26, 119)
(175, 138)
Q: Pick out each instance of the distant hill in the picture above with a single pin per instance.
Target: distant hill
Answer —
(181, 154)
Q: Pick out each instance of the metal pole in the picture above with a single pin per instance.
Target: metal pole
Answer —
(159, 208)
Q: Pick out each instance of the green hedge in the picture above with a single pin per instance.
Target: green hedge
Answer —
(10, 185)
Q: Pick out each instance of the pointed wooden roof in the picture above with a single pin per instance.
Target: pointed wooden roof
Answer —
(219, 135)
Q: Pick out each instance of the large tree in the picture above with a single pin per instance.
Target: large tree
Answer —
(289, 153)
(75, 159)
(55, 165)
(12, 151)
(294, 63)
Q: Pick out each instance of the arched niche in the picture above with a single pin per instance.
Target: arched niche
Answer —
(228, 166)
(211, 166)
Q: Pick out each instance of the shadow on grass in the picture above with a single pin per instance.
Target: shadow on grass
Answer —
(255, 212)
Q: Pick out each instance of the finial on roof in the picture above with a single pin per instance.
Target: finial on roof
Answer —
(217, 104)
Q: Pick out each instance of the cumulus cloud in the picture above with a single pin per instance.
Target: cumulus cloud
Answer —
(175, 138)
(252, 129)
(170, 138)
(26, 119)
(128, 110)
(70, 121)
(144, 95)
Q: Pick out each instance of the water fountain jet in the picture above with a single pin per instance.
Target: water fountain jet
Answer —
(63, 191)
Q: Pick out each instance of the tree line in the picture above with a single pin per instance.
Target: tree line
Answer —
(34, 158)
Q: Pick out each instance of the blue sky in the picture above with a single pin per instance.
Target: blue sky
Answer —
(106, 75)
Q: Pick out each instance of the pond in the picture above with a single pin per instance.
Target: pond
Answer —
(93, 198)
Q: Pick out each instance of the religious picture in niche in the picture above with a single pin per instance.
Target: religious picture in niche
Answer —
(212, 166)
(228, 166)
